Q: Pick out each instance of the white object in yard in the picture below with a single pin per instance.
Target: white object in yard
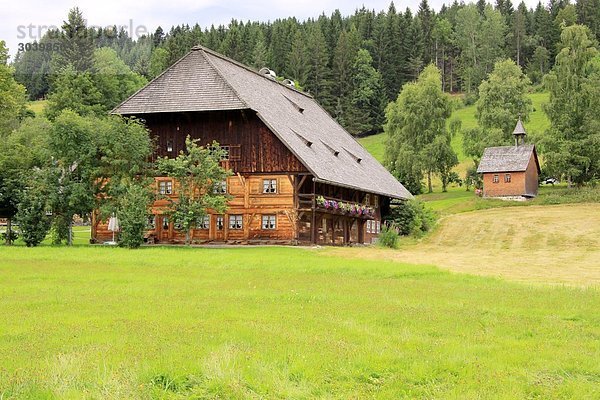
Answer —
(113, 226)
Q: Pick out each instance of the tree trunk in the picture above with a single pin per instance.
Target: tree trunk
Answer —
(9, 231)
(451, 76)
(70, 236)
(187, 237)
(443, 69)
(436, 53)
(429, 185)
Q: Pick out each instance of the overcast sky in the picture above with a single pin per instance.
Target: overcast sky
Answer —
(18, 16)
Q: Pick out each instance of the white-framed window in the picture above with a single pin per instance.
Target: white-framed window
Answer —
(165, 223)
(151, 222)
(236, 221)
(225, 154)
(169, 146)
(506, 178)
(203, 223)
(269, 221)
(378, 227)
(269, 186)
(496, 178)
(220, 187)
(368, 226)
(165, 187)
(219, 222)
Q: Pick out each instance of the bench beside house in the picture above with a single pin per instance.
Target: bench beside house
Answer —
(298, 176)
(511, 172)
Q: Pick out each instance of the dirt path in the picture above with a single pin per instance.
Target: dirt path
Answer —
(541, 244)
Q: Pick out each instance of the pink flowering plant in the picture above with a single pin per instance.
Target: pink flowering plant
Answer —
(347, 208)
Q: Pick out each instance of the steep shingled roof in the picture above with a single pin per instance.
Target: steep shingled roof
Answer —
(507, 159)
(204, 80)
(191, 84)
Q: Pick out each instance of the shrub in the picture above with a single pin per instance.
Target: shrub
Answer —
(412, 218)
(470, 99)
(13, 236)
(588, 194)
(389, 237)
(133, 216)
(59, 230)
(32, 219)
(472, 178)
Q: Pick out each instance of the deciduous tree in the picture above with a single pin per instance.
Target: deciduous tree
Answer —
(197, 172)
(571, 145)
(414, 121)
(502, 100)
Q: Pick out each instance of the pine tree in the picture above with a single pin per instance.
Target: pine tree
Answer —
(539, 64)
(232, 46)
(391, 59)
(158, 37)
(260, 54)
(414, 47)
(318, 80)
(442, 34)
(427, 22)
(588, 13)
(298, 59)
(76, 43)
(519, 32)
(343, 60)
(366, 113)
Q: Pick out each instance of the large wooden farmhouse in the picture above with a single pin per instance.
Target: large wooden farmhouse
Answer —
(298, 176)
(510, 171)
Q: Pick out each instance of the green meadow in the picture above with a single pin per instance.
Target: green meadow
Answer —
(238, 323)
(496, 303)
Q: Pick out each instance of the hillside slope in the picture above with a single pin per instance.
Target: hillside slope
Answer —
(542, 244)
(537, 124)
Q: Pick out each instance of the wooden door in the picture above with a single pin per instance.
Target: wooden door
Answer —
(165, 229)
(219, 227)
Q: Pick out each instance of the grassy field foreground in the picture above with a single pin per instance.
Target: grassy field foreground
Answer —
(95, 322)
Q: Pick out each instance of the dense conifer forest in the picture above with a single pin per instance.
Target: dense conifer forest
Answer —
(354, 65)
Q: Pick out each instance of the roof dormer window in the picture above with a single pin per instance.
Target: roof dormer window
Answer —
(307, 142)
(331, 149)
(356, 158)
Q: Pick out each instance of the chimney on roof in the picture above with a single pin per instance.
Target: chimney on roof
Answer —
(519, 133)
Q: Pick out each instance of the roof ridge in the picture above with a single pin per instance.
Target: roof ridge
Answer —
(239, 64)
(225, 80)
(148, 84)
